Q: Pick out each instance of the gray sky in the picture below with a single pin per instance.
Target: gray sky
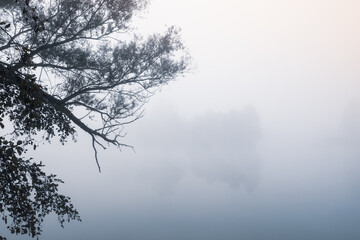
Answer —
(261, 141)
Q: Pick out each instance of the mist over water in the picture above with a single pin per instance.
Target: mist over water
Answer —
(261, 141)
(214, 175)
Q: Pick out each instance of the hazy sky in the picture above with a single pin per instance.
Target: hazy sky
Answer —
(260, 141)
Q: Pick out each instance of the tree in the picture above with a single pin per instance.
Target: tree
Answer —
(63, 64)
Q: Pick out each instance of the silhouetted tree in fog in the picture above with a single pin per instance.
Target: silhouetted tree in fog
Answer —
(64, 63)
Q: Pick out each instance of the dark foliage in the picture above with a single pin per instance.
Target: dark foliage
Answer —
(27, 194)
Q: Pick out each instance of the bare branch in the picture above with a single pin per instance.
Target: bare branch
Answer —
(96, 154)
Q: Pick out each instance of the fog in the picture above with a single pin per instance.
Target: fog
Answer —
(259, 141)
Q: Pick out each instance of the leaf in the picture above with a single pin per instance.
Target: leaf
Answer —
(19, 150)
(9, 151)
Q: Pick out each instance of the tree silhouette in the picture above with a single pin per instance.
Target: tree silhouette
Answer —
(64, 63)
